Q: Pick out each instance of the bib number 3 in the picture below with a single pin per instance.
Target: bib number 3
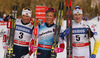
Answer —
(21, 35)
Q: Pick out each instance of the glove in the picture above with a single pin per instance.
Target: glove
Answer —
(26, 56)
(33, 48)
(58, 50)
(66, 32)
(5, 47)
(91, 33)
(93, 56)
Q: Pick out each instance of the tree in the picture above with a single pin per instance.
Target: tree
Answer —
(96, 10)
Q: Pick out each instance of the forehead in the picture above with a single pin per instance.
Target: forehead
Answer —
(25, 15)
(50, 13)
(77, 14)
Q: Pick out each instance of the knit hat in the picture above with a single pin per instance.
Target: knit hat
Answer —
(4, 15)
(27, 11)
(77, 9)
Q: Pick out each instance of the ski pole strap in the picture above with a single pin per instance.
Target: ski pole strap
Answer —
(66, 32)
(45, 46)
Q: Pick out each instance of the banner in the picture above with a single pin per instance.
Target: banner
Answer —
(40, 13)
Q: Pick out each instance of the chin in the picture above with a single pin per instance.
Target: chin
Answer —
(48, 23)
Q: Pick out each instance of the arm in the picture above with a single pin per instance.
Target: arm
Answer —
(97, 40)
(5, 38)
(31, 46)
(61, 46)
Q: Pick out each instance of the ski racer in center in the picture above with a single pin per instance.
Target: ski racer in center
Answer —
(23, 34)
(45, 37)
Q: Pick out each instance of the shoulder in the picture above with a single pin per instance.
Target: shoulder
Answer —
(87, 23)
(43, 24)
(90, 25)
(18, 20)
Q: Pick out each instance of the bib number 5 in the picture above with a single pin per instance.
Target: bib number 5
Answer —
(77, 37)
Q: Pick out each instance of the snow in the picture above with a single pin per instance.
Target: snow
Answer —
(63, 54)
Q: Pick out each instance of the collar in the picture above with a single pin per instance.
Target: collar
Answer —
(24, 23)
(49, 25)
(78, 23)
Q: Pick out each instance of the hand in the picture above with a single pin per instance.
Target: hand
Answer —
(58, 50)
(93, 56)
(26, 56)
(66, 32)
(5, 47)
(33, 48)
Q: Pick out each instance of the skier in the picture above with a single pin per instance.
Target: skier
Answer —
(23, 34)
(45, 37)
(4, 16)
(98, 17)
(80, 33)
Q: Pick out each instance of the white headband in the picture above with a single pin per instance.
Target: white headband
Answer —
(77, 10)
(26, 12)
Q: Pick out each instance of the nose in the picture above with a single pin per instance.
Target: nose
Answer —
(77, 16)
(48, 17)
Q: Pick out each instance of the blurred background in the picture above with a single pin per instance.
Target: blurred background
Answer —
(90, 7)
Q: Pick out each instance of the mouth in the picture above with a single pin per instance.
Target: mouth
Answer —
(77, 19)
(48, 19)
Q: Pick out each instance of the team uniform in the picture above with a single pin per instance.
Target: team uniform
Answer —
(80, 38)
(45, 40)
(23, 34)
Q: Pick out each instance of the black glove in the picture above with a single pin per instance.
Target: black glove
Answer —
(91, 33)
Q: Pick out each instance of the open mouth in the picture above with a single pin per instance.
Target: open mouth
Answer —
(48, 19)
(77, 19)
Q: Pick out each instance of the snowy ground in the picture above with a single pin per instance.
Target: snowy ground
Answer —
(63, 54)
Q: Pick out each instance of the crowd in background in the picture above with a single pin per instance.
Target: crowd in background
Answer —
(6, 17)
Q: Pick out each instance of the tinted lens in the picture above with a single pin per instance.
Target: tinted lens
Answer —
(52, 9)
(77, 8)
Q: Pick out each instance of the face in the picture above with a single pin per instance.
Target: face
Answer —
(25, 18)
(78, 17)
(50, 17)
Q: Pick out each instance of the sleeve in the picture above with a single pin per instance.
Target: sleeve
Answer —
(97, 39)
(5, 36)
(33, 40)
(31, 43)
(61, 42)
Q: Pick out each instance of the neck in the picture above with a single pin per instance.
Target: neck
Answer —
(49, 25)
(25, 23)
(78, 22)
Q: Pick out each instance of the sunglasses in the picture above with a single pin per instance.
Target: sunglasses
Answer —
(27, 9)
(77, 8)
(52, 9)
